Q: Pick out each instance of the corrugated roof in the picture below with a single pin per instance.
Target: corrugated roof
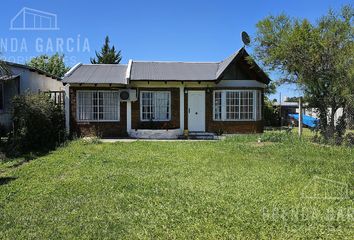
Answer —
(12, 64)
(97, 73)
(224, 64)
(155, 71)
(8, 77)
(167, 71)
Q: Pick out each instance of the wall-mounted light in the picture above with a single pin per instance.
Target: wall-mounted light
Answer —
(185, 91)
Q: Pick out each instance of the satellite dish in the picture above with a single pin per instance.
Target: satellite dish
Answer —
(245, 38)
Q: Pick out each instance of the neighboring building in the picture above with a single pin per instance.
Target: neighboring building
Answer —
(162, 99)
(286, 108)
(23, 79)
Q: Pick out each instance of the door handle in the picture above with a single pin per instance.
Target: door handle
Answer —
(196, 113)
(189, 110)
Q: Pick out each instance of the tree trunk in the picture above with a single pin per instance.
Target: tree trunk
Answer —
(332, 123)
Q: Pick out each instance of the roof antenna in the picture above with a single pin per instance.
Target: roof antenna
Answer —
(245, 38)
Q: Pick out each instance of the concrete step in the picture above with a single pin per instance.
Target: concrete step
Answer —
(202, 135)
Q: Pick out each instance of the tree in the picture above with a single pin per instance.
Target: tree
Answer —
(38, 124)
(292, 99)
(317, 57)
(108, 55)
(53, 65)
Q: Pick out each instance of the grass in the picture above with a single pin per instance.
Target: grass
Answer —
(236, 188)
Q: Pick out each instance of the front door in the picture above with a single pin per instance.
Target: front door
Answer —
(196, 111)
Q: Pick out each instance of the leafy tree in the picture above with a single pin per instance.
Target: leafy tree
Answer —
(270, 89)
(318, 57)
(271, 113)
(108, 55)
(53, 65)
(292, 99)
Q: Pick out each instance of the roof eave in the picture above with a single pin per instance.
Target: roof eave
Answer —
(263, 76)
(32, 69)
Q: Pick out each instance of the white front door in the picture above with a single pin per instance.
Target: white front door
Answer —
(196, 111)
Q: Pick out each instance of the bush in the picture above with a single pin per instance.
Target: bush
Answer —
(349, 140)
(271, 114)
(39, 124)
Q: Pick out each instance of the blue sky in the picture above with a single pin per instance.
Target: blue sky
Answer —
(181, 30)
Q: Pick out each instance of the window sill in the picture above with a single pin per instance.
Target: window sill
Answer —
(239, 120)
(167, 120)
(95, 121)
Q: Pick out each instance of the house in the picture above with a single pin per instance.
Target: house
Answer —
(23, 79)
(150, 99)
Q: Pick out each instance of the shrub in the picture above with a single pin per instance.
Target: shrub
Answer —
(349, 139)
(219, 132)
(271, 114)
(39, 124)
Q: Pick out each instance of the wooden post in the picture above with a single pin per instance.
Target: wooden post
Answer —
(300, 116)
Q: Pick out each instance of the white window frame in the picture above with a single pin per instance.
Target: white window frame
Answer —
(141, 106)
(256, 116)
(96, 120)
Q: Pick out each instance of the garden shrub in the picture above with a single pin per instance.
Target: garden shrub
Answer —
(349, 140)
(39, 124)
(271, 114)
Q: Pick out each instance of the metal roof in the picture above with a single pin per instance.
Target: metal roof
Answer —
(97, 73)
(32, 69)
(169, 71)
(155, 71)
(9, 77)
(224, 64)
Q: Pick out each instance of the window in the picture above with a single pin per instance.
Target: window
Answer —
(155, 105)
(98, 105)
(233, 105)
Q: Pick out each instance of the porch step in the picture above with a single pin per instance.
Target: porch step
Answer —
(202, 135)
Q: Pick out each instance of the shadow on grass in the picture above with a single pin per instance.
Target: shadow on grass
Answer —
(27, 158)
(6, 180)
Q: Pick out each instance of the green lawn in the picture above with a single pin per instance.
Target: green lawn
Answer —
(236, 188)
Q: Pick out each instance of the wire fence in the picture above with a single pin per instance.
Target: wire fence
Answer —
(335, 126)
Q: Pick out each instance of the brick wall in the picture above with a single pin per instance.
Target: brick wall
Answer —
(118, 129)
(175, 113)
(104, 129)
(228, 126)
(224, 126)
